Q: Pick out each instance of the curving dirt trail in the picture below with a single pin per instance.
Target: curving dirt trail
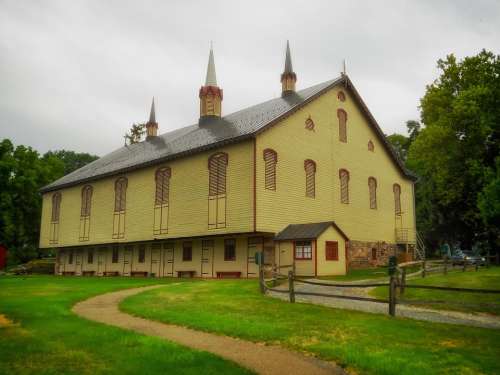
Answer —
(263, 359)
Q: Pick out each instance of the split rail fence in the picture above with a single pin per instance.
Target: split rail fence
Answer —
(397, 283)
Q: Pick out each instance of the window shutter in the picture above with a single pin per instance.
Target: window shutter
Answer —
(344, 186)
(332, 250)
(310, 168)
(342, 116)
(270, 159)
(162, 186)
(56, 206)
(397, 199)
(372, 186)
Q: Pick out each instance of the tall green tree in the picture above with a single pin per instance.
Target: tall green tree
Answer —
(22, 173)
(401, 143)
(454, 154)
(72, 160)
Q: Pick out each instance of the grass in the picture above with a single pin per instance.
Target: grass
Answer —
(485, 278)
(365, 343)
(359, 274)
(40, 335)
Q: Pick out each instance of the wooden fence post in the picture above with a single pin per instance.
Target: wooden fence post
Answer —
(445, 267)
(488, 259)
(392, 296)
(403, 282)
(498, 259)
(275, 275)
(477, 265)
(290, 286)
(464, 268)
(261, 280)
(423, 268)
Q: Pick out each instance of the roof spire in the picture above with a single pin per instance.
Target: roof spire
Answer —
(211, 79)
(152, 114)
(288, 77)
(152, 125)
(288, 59)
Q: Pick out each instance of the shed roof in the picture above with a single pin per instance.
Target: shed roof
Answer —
(211, 133)
(307, 231)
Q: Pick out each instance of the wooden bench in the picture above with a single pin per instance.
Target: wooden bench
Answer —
(111, 273)
(139, 273)
(186, 274)
(228, 274)
(68, 273)
(88, 273)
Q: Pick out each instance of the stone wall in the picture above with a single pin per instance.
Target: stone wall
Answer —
(365, 254)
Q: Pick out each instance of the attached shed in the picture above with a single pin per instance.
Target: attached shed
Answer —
(3, 256)
(316, 249)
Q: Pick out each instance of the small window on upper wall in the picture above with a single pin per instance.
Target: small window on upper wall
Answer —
(270, 160)
(371, 146)
(342, 117)
(341, 96)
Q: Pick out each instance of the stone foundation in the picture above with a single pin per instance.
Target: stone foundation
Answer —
(364, 254)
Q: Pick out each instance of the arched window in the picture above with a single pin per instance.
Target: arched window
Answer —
(86, 200)
(341, 96)
(270, 159)
(217, 168)
(344, 186)
(371, 146)
(372, 186)
(56, 207)
(85, 213)
(120, 206)
(162, 180)
(397, 199)
(310, 168)
(217, 165)
(342, 116)
(120, 194)
(54, 219)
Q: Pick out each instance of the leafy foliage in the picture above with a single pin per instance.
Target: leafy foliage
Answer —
(402, 143)
(135, 133)
(454, 154)
(22, 173)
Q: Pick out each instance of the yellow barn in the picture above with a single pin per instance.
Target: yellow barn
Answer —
(307, 178)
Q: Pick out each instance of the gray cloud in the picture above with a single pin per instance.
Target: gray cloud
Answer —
(75, 75)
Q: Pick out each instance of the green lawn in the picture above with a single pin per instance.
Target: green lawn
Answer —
(366, 343)
(482, 279)
(359, 274)
(45, 337)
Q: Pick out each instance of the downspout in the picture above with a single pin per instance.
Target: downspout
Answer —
(255, 184)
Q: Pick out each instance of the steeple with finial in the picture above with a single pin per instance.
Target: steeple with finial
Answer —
(210, 93)
(152, 125)
(288, 77)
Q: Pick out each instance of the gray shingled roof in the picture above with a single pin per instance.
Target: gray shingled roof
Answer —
(209, 133)
(306, 231)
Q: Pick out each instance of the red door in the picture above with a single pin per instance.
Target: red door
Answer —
(3, 257)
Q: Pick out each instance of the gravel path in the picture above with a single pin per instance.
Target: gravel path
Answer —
(260, 358)
(419, 313)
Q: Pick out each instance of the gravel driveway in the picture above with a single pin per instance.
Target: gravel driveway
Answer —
(406, 311)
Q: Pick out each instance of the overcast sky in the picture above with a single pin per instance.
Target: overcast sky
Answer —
(76, 74)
